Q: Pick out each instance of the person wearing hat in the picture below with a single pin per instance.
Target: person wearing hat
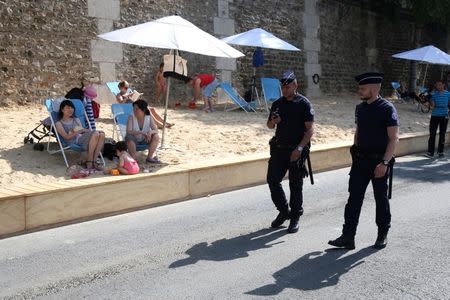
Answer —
(293, 117)
(90, 93)
(375, 140)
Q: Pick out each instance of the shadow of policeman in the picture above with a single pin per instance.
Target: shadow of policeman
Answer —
(314, 271)
(229, 249)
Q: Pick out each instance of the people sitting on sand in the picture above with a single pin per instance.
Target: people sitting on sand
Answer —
(126, 165)
(160, 82)
(207, 83)
(124, 96)
(142, 129)
(70, 129)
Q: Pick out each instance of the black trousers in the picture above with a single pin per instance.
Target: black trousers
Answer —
(361, 174)
(279, 164)
(436, 122)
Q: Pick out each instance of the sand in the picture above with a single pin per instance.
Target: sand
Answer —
(198, 136)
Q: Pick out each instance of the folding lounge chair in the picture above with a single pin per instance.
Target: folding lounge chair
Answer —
(396, 86)
(271, 90)
(114, 88)
(118, 109)
(238, 100)
(121, 112)
(80, 113)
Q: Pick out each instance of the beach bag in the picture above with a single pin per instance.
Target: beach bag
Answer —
(95, 109)
(109, 149)
(174, 65)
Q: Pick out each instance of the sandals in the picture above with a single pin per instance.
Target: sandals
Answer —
(154, 160)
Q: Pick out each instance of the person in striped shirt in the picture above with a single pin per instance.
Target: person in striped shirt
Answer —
(440, 102)
(90, 93)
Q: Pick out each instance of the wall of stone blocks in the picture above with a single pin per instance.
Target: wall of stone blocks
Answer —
(47, 46)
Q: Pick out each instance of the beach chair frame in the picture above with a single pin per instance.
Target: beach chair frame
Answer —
(271, 90)
(80, 113)
(236, 98)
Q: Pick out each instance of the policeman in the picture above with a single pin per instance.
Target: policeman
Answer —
(375, 140)
(293, 117)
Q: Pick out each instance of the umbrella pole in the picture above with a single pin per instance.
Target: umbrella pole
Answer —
(425, 76)
(165, 115)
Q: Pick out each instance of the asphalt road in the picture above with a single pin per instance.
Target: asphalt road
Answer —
(220, 247)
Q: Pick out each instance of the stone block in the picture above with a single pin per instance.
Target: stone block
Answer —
(105, 51)
(223, 63)
(223, 8)
(310, 44)
(104, 9)
(311, 21)
(104, 95)
(107, 72)
(311, 69)
(105, 25)
(312, 57)
(223, 26)
(314, 91)
(310, 6)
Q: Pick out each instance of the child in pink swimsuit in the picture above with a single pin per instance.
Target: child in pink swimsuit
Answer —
(126, 165)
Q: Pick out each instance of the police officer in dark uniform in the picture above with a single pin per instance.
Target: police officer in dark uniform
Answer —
(375, 140)
(293, 117)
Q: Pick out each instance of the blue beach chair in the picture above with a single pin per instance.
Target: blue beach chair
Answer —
(80, 113)
(271, 90)
(238, 100)
(120, 113)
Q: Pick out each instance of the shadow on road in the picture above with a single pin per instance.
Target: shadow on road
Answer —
(314, 271)
(426, 170)
(229, 249)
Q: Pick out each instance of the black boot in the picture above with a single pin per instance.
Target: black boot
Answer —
(279, 220)
(343, 242)
(293, 225)
(381, 241)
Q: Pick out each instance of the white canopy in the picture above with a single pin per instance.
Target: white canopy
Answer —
(428, 54)
(172, 32)
(259, 38)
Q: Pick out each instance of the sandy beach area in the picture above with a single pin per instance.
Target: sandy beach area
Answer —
(198, 136)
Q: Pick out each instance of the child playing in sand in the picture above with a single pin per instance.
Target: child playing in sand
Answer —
(126, 165)
(161, 87)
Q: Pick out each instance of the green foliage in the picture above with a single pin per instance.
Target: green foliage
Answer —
(423, 11)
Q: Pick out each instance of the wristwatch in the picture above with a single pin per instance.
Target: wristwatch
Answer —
(385, 162)
(300, 149)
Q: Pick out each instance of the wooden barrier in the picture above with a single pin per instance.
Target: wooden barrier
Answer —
(40, 205)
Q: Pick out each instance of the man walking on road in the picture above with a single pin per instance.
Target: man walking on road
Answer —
(375, 140)
(293, 117)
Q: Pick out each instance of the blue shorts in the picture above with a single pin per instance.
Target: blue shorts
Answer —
(210, 88)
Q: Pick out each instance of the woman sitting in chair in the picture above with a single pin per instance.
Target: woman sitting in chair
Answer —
(70, 129)
(142, 130)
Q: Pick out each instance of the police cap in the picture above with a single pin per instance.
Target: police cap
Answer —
(370, 77)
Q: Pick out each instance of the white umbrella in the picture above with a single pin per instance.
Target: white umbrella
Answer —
(428, 55)
(172, 32)
(259, 38)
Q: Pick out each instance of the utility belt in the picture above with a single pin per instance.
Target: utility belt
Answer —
(278, 144)
(355, 152)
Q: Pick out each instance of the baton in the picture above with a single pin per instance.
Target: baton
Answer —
(391, 173)
(310, 171)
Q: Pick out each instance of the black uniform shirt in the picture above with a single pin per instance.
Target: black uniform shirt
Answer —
(372, 121)
(293, 116)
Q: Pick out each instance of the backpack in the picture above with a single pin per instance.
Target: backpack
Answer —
(109, 149)
(95, 109)
(75, 93)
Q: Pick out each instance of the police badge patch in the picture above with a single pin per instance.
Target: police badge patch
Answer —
(394, 116)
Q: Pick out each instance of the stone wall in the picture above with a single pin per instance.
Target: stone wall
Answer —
(47, 46)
